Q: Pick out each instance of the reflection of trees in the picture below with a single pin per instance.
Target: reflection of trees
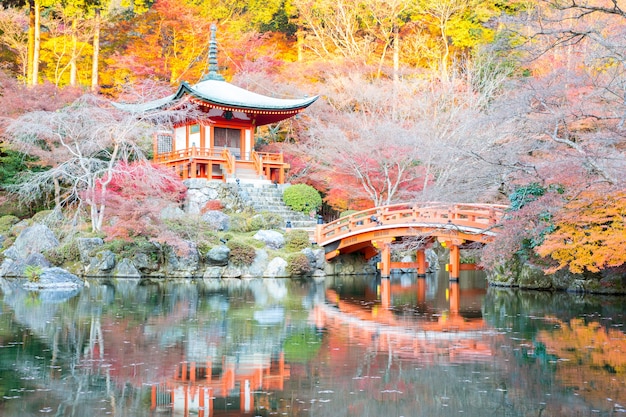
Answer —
(99, 348)
(589, 351)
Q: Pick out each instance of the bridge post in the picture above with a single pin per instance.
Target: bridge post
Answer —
(455, 297)
(421, 289)
(384, 266)
(420, 257)
(454, 267)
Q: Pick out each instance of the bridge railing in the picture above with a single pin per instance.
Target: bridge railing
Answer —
(474, 216)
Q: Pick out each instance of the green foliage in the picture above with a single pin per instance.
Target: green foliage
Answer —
(241, 253)
(240, 222)
(12, 163)
(66, 253)
(33, 272)
(6, 222)
(191, 228)
(347, 213)
(296, 240)
(302, 198)
(127, 249)
(298, 264)
(526, 194)
(266, 220)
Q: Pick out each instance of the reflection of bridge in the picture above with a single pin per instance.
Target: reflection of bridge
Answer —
(376, 326)
(372, 231)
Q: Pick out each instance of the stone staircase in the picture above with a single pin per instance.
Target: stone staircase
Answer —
(269, 197)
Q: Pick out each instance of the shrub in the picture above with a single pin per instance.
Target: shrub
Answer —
(266, 220)
(296, 240)
(240, 222)
(68, 252)
(212, 205)
(6, 222)
(241, 253)
(33, 272)
(347, 213)
(302, 197)
(298, 264)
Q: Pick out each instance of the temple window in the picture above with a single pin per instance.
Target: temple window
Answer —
(227, 138)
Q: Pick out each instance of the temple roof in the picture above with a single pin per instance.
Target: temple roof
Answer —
(214, 92)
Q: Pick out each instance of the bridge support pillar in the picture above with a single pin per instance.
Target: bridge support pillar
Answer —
(384, 266)
(420, 257)
(421, 289)
(454, 267)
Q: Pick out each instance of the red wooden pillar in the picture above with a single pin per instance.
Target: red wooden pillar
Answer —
(420, 257)
(385, 257)
(454, 267)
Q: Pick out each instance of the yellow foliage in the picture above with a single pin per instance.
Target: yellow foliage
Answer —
(590, 233)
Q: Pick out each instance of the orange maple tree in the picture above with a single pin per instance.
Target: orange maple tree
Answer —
(590, 233)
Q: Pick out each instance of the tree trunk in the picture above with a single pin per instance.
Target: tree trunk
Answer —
(73, 66)
(37, 43)
(31, 42)
(96, 52)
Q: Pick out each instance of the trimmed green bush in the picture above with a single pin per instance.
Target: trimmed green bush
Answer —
(298, 264)
(240, 222)
(302, 198)
(296, 240)
(241, 253)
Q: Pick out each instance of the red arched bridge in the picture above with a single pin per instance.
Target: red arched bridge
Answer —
(373, 231)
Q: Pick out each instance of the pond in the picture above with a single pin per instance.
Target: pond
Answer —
(340, 346)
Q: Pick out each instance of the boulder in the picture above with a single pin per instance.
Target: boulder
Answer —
(171, 212)
(144, 263)
(276, 268)
(102, 263)
(54, 278)
(183, 262)
(259, 264)
(218, 256)
(271, 238)
(126, 269)
(217, 220)
(316, 257)
(86, 245)
(37, 238)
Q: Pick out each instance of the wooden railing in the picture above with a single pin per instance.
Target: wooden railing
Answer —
(258, 162)
(229, 160)
(213, 154)
(483, 218)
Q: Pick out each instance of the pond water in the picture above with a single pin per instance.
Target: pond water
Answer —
(352, 346)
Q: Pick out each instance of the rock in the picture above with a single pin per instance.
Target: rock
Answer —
(432, 259)
(144, 263)
(218, 255)
(172, 212)
(184, 264)
(86, 245)
(34, 239)
(316, 257)
(102, 262)
(276, 268)
(217, 220)
(213, 272)
(11, 268)
(258, 265)
(126, 269)
(54, 278)
(37, 259)
(271, 238)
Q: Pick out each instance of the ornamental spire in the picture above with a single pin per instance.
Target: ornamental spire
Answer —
(213, 68)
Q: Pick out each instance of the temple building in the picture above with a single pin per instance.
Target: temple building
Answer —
(219, 145)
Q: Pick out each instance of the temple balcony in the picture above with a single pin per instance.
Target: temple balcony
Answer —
(225, 164)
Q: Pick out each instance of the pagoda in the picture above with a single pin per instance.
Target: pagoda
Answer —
(219, 144)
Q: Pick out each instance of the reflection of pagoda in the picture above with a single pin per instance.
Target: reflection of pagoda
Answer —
(219, 145)
(207, 387)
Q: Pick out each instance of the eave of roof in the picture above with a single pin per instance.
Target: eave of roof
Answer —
(223, 95)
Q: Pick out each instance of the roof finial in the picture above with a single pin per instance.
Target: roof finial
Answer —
(213, 68)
